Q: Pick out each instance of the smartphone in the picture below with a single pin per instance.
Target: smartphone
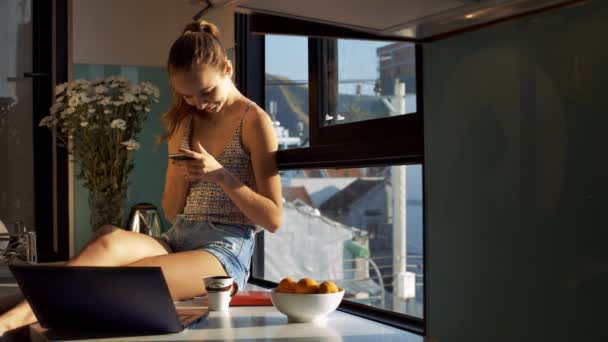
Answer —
(180, 156)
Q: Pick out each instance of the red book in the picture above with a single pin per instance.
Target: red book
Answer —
(251, 298)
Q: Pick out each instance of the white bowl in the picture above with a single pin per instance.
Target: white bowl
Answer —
(306, 307)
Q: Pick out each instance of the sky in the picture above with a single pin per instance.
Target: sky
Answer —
(288, 56)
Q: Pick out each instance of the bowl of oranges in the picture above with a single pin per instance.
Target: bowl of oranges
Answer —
(306, 300)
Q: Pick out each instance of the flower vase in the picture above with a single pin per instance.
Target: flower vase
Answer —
(107, 208)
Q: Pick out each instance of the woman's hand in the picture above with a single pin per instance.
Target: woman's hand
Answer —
(204, 167)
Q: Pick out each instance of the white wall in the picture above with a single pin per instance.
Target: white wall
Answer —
(320, 259)
(516, 180)
(136, 32)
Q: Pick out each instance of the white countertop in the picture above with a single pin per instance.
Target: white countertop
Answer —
(254, 323)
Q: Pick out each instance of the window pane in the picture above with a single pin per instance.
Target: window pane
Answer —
(17, 192)
(369, 80)
(339, 225)
(286, 88)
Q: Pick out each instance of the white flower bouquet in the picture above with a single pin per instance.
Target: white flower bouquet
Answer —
(98, 122)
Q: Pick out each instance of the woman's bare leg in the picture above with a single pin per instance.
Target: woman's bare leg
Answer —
(111, 246)
(184, 271)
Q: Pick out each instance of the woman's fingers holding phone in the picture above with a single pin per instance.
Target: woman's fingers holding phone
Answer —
(205, 167)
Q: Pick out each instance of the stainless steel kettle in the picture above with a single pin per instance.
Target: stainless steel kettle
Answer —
(144, 218)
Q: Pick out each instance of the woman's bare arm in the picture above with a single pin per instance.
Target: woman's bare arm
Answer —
(176, 186)
(263, 207)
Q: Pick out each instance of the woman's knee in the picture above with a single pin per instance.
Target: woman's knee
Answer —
(107, 237)
(125, 245)
(106, 229)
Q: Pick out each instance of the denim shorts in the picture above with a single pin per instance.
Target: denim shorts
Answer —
(232, 244)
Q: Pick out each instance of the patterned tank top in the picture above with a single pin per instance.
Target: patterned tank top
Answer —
(206, 201)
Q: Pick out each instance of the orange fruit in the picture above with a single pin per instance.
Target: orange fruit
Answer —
(328, 287)
(287, 285)
(307, 286)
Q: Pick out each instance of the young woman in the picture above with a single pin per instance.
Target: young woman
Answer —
(218, 199)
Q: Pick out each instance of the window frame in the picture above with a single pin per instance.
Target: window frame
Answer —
(400, 137)
(394, 140)
(50, 66)
(379, 129)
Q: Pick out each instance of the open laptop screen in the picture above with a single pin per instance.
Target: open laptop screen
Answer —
(129, 299)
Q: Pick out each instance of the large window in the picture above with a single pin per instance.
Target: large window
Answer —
(343, 225)
(33, 169)
(348, 118)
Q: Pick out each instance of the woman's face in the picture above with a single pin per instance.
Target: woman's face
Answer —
(203, 87)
